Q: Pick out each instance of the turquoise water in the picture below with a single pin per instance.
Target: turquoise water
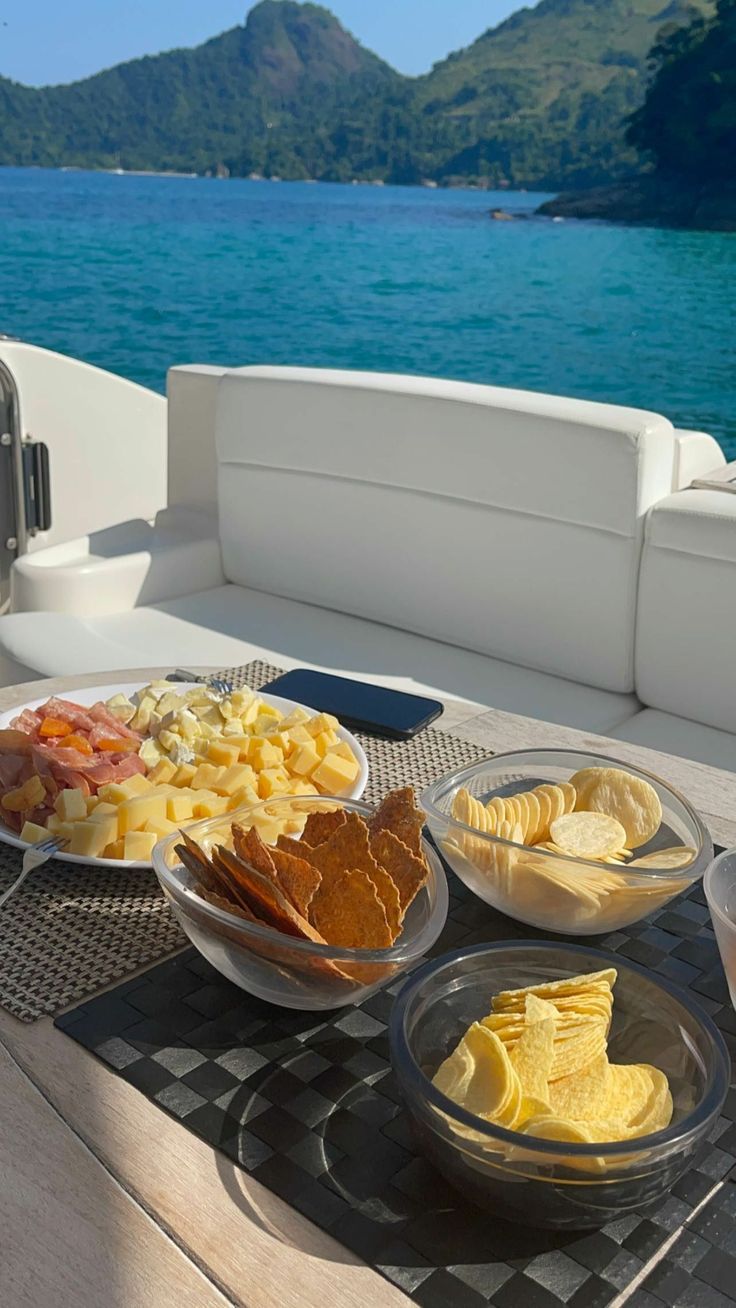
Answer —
(136, 274)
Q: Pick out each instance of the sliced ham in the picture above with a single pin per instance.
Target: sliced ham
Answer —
(113, 726)
(14, 770)
(79, 717)
(68, 758)
(28, 722)
(112, 767)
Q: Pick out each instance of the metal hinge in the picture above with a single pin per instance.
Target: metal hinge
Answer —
(36, 485)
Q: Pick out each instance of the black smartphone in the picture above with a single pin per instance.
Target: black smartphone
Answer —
(357, 704)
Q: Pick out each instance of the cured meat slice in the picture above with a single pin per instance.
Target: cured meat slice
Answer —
(114, 727)
(28, 722)
(65, 710)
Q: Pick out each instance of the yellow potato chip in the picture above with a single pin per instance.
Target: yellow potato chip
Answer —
(582, 782)
(571, 985)
(631, 800)
(513, 811)
(581, 1096)
(532, 1056)
(499, 807)
(587, 835)
(556, 1128)
(529, 1107)
(480, 1076)
(556, 799)
(545, 813)
(679, 856)
(569, 795)
(522, 804)
(532, 803)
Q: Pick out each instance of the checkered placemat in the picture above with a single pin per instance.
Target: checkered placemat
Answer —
(73, 929)
(307, 1104)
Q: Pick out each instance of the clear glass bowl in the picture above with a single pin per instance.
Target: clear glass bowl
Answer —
(571, 896)
(720, 892)
(543, 1182)
(279, 968)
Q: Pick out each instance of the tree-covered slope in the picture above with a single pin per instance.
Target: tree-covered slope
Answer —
(539, 101)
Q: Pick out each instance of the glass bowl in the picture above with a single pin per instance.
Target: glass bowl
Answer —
(544, 1182)
(719, 885)
(282, 969)
(556, 892)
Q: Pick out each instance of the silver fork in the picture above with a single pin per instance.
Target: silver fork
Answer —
(34, 856)
(217, 683)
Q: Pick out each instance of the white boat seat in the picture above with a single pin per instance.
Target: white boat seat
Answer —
(229, 625)
(679, 736)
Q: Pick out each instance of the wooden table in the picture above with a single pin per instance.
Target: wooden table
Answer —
(104, 1200)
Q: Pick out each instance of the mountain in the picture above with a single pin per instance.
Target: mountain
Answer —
(539, 100)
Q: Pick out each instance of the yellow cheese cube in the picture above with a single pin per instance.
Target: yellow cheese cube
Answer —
(267, 711)
(112, 793)
(180, 807)
(234, 778)
(88, 839)
(299, 735)
(343, 749)
(91, 802)
(183, 775)
(299, 787)
(249, 715)
(296, 718)
(108, 823)
(52, 824)
(168, 740)
(161, 827)
(103, 810)
(32, 832)
(321, 722)
(134, 813)
(268, 828)
(222, 752)
(324, 742)
(265, 755)
(335, 774)
(206, 776)
(135, 785)
(207, 805)
(163, 772)
(304, 760)
(138, 845)
(70, 805)
(115, 850)
(248, 795)
(272, 781)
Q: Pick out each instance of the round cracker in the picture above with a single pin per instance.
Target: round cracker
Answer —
(587, 835)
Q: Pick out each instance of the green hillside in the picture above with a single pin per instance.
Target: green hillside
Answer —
(538, 101)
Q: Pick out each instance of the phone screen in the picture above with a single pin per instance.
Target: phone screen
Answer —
(358, 704)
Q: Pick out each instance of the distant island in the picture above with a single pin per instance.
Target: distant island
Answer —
(540, 101)
(687, 128)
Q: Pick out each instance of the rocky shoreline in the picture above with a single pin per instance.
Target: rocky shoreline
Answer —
(653, 201)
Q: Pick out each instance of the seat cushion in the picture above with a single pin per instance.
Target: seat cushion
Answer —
(230, 625)
(500, 521)
(675, 735)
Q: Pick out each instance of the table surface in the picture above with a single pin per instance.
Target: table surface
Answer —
(105, 1199)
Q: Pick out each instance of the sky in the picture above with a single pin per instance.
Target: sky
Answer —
(46, 41)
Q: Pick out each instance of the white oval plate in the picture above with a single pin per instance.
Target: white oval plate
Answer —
(91, 694)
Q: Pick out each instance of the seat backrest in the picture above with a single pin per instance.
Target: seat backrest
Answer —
(686, 628)
(501, 521)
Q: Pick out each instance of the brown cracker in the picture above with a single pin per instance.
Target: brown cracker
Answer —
(407, 872)
(297, 878)
(250, 848)
(321, 824)
(264, 897)
(398, 813)
(352, 916)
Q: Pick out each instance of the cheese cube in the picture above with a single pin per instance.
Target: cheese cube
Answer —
(70, 805)
(335, 774)
(151, 752)
(88, 839)
(103, 810)
(223, 752)
(138, 845)
(324, 742)
(268, 828)
(269, 711)
(135, 785)
(180, 807)
(207, 805)
(142, 718)
(265, 755)
(249, 715)
(108, 822)
(134, 813)
(32, 832)
(164, 771)
(305, 759)
(343, 749)
(161, 827)
(183, 775)
(272, 781)
(296, 718)
(206, 776)
(298, 734)
(298, 787)
(91, 802)
(115, 850)
(52, 824)
(247, 796)
(235, 778)
(321, 722)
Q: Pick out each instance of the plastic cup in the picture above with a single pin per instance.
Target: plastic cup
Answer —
(719, 884)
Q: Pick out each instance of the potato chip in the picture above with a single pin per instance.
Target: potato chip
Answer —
(557, 1128)
(489, 1086)
(571, 985)
(587, 835)
(532, 1057)
(678, 856)
(466, 808)
(580, 1097)
(513, 810)
(582, 782)
(632, 800)
(532, 803)
(569, 795)
(557, 801)
(497, 806)
(545, 814)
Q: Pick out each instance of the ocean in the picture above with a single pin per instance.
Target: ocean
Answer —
(138, 273)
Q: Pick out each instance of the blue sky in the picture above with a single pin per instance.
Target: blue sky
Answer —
(45, 41)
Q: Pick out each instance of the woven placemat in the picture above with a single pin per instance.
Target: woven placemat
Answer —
(71, 930)
(308, 1105)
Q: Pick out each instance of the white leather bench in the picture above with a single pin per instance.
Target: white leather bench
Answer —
(479, 542)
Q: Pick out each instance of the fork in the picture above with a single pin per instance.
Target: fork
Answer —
(217, 683)
(34, 857)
